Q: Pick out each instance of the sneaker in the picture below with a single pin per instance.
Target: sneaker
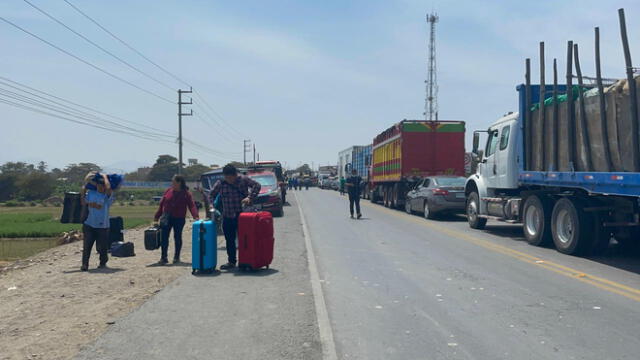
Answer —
(163, 261)
(359, 216)
(102, 266)
(176, 260)
(352, 216)
(228, 266)
(84, 268)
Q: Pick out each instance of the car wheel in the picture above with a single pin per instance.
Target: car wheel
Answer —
(428, 214)
(407, 207)
(536, 217)
(473, 212)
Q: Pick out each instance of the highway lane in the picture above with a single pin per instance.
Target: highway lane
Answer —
(401, 287)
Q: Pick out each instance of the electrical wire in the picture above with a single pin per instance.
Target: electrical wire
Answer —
(175, 77)
(126, 44)
(98, 46)
(34, 91)
(87, 62)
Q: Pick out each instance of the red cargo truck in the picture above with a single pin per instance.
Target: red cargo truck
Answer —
(410, 150)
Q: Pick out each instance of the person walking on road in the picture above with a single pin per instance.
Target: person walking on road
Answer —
(353, 184)
(235, 193)
(342, 183)
(96, 226)
(172, 214)
(306, 183)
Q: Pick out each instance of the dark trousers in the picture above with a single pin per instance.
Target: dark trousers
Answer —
(354, 199)
(98, 236)
(230, 229)
(177, 224)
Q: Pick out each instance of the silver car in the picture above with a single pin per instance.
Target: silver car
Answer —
(437, 195)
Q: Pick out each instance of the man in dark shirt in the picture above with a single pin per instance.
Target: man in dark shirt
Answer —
(234, 193)
(353, 185)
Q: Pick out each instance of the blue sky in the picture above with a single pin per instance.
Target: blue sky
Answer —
(302, 79)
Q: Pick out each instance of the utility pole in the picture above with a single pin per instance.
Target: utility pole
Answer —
(245, 143)
(254, 154)
(180, 115)
(431, 101)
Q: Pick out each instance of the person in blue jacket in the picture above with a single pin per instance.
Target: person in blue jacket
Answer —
(96, 227)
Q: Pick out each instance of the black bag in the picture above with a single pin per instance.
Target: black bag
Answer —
(152, 238)
(116, 227)
(72, 209)
(122, 249)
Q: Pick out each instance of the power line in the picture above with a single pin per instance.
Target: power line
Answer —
(25, 107)
(239, 134)
(175, 77)
(35, 92)
(84, 119)
(126, 44)
(86, 62)
(97, 46)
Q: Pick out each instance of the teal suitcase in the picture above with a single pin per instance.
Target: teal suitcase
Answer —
(204, 247)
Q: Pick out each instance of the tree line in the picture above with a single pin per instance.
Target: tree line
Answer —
(21, 181)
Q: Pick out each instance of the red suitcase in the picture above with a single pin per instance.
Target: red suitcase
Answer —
(255, 240)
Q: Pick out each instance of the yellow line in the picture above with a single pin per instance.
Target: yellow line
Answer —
(601, 283)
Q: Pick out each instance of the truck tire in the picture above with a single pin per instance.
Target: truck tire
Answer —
(536, 220)
(473, 209)
(570, 226)
(394, 197)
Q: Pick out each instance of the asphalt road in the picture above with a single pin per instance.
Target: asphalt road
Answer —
(398, 286)
(391, 286)
(265, 315)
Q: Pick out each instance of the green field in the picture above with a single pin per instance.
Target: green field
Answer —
(31, 222)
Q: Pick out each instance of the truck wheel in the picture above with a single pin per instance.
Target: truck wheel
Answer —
(570, 226)
(473, 210)
(279, 213)
(385, 197)
(428, 214)
(536, 216)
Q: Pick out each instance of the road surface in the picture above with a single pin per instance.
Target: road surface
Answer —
(391, 286)
(398, 286)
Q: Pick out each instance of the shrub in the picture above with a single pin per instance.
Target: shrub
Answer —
(33, 203)
(13, 203)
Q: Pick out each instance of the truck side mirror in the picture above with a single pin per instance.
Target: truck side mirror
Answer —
(476, 142)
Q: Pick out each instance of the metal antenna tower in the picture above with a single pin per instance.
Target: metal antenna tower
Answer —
(431, 101)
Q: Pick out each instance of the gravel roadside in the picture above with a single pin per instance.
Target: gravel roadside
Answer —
(49, 309)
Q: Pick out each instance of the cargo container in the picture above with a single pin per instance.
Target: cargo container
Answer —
(356, 157)
(411, 150)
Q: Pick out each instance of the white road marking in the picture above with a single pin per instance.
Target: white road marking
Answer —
(324, 325)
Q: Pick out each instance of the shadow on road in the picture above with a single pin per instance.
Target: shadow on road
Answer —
(260, 272)
(214, 273)
(108, 270)
(616, 256)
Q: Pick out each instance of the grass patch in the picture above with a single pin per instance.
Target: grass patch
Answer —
(45, 221)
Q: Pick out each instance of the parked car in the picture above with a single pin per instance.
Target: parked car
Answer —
(270, 196)
(436, 195)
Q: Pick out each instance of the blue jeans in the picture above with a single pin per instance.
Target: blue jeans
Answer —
(177, 224)
(230, 229)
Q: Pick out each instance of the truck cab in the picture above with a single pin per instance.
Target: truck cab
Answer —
(495, 183)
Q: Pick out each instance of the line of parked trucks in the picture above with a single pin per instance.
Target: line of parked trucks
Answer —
(566, 165)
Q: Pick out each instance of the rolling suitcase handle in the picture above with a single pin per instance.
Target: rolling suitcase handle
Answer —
(203, 247)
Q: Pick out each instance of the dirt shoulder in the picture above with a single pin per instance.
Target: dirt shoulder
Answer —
(49, 309)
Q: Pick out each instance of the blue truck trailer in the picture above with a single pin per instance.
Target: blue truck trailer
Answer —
(356, 157)
(570, 183)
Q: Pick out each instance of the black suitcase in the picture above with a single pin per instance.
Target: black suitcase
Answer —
(152, 238)
(116, 226)
(72, 209)
(122, 249)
